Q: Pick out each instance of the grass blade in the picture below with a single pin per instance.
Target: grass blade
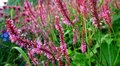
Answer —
(23, 54)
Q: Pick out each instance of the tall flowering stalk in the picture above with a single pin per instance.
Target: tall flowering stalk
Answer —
(94, 10)
(83, 44)
(42, 11)
(83, 11)
(105, 12)
(63, 9)
(82, 6)
(62, 42)
(30, 11)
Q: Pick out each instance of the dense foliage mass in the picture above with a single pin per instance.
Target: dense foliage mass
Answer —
(60, 33)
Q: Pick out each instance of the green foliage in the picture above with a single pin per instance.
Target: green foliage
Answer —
(8, 57)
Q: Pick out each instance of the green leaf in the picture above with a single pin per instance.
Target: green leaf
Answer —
(69, 51)
(7, 65)
(108, 40)
(67, 32)
(11, 12)
(23, 54)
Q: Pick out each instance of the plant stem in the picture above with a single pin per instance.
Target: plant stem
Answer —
(109, 54)
(118, 49)
(85, 27)
(100, 43)
(117, 56)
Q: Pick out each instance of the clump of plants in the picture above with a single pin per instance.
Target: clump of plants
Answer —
(50, 30)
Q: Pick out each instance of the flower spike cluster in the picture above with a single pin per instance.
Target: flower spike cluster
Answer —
(62, 42)
(32, 27)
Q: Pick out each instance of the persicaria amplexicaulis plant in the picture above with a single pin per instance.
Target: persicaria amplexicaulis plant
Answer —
(32, 27)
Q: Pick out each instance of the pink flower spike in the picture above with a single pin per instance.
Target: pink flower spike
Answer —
(105, 13)
(74, 36)
(83, 44)
(83, 47)
(61, 6)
